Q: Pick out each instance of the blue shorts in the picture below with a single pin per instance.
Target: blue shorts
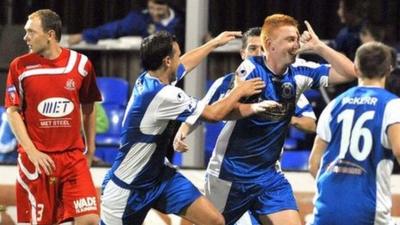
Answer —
(124, 206)
(233, 199)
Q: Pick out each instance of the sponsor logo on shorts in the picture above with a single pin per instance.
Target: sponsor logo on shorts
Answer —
(85, 204)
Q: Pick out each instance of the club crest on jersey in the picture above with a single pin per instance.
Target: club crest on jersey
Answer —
(70, 85)
(55, 107)
(287, 90)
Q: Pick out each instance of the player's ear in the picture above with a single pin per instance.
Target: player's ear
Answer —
(52, 34)
(268, 44)
(356, 70)
(243, 54)
(167, 61)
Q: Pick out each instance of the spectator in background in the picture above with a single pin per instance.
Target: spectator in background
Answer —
(371, 32)
(102, 125)
(158, 16)
(351, 13)
(102, 121)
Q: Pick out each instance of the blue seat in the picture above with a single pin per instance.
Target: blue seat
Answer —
(115, 97)
(295, 160)
(113, 90)
(2, 109)
(290, 144)
(115, 115)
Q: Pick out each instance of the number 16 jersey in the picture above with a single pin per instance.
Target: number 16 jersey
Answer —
(353, 184)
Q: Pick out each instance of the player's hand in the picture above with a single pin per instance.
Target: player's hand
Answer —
(179, 143)
(74, 39)
(265, 105)
(90, 154)
(226, 37)
(42, 161)
(309, 41)
(249, 87)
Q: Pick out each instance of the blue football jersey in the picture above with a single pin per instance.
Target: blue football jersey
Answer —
(141, 158)
(246, 148)
(353, 183)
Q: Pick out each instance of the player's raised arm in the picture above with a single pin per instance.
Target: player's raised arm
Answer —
(342, 68)
(193, 58)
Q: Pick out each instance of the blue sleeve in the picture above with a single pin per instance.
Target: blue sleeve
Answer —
(180, 72)
(299, 111)
(132, 24)
(311, 74)
(218, 89)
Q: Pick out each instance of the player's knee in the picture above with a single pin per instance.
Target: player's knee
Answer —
(87, 220)
(93, 222)
(217, 219)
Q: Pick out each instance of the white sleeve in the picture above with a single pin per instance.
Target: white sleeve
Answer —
(245, 68)
(390, 116)
(310, 74)
(324, 121)
(175, 104)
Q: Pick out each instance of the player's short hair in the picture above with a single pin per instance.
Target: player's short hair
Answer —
(252, 32)
(155, 48)
(393, 54)
(275, 21)
(160, 2)
(50, 21)
(373, 59)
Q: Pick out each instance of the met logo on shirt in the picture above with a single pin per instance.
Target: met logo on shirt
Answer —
(55, 107)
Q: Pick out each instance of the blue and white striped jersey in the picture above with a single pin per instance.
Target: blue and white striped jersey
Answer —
(246, 148)
(141, 159)
(353, 182)
(304, 108)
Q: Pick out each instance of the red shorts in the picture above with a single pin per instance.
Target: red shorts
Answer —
(69, 192)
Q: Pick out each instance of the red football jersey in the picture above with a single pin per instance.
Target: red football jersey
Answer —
(49, 94)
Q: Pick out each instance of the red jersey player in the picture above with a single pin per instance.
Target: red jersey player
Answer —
(47, 91)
